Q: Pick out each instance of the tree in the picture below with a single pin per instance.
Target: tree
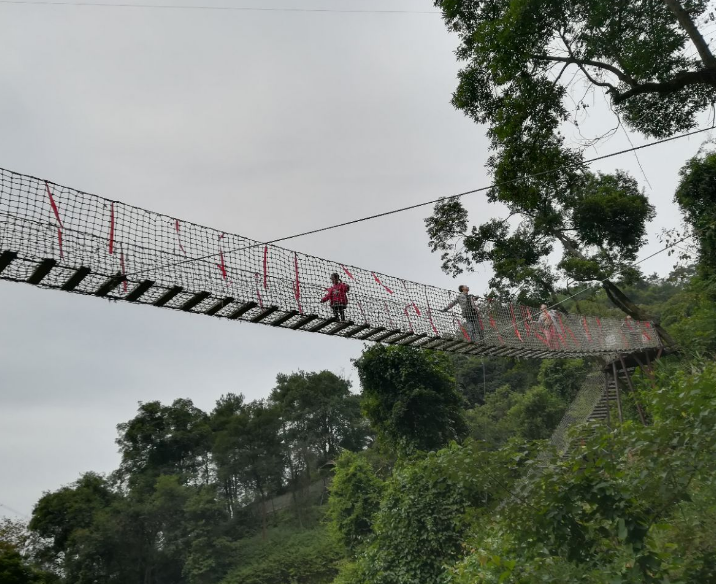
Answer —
(165, 440)
(410, 398)
(648, 57)
(355, 499)
(249, 452)
(599, 221)
(696, 195)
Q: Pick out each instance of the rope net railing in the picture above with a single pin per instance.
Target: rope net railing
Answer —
(57, 237)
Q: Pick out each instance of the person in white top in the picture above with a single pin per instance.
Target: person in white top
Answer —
(470, 310)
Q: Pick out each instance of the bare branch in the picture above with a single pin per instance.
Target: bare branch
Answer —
(589, 62)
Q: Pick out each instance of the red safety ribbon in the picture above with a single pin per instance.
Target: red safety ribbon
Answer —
(297, 285)
(388, 290)
(176, 226)
(494, 325)
(57, 216)
(222, 264)
(347, 272)
(586, 328)
(569, 330)
(52, 204)
(526, 319)
(59, 242)
(111, 228)
(514, 323)
(462, 328)
(430, 314)
(265, 267)
(541, 338)
(258, 293)
(646, 325)
(415, 306)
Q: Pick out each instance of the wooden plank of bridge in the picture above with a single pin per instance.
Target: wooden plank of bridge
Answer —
(76, 279)
(303, 321)
(386, 335)
(323, 324)
(41, 271)
(110, 285)
(194, 300)
(342, 326)
(241, 310)
(355, 331)
(168, 295)
(286, 317)
(371, 332)
(263, 314)
(412, 342)
(396, 340)
(214, 308)
(6, 258)
(139, 290)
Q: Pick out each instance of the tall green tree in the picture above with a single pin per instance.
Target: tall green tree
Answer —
(598, 221)
(161, 439)
(696, 195)
(410, 397)
(249, 452)
(648, 57)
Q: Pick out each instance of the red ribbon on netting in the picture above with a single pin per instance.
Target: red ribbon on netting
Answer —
(645, 326)
(410, 324)
(544, 340)
(59, 242)
(57, 216)
(388, 290)
(569, 330)
(347, 272)
(52, 204)
(222, 264)
(493, 324)
(528, 319)
(111, 228)
(258, 293)
(586, 328)
(265, 267)
(514, 323)
(430, 314)
(415, 306)
(462, 328)
(176, 226)
(297, 284)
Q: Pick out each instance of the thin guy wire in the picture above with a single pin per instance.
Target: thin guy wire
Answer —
(417, 205)
(214, 8)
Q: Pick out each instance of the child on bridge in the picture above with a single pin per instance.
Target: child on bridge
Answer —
(338, 297)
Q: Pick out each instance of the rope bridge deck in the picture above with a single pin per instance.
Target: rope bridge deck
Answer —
(57, 237)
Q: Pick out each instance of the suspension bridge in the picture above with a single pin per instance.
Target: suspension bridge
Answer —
(56, 237)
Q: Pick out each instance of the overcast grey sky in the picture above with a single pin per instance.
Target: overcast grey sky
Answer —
(258, 123)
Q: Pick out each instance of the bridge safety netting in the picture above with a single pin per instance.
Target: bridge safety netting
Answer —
(54, 236)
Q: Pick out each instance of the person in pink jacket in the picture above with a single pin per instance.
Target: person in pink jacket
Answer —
(338, 297)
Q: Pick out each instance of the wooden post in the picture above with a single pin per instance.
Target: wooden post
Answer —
(619, 396)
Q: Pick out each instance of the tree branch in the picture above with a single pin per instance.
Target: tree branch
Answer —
(684, 20)
(621, 75)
